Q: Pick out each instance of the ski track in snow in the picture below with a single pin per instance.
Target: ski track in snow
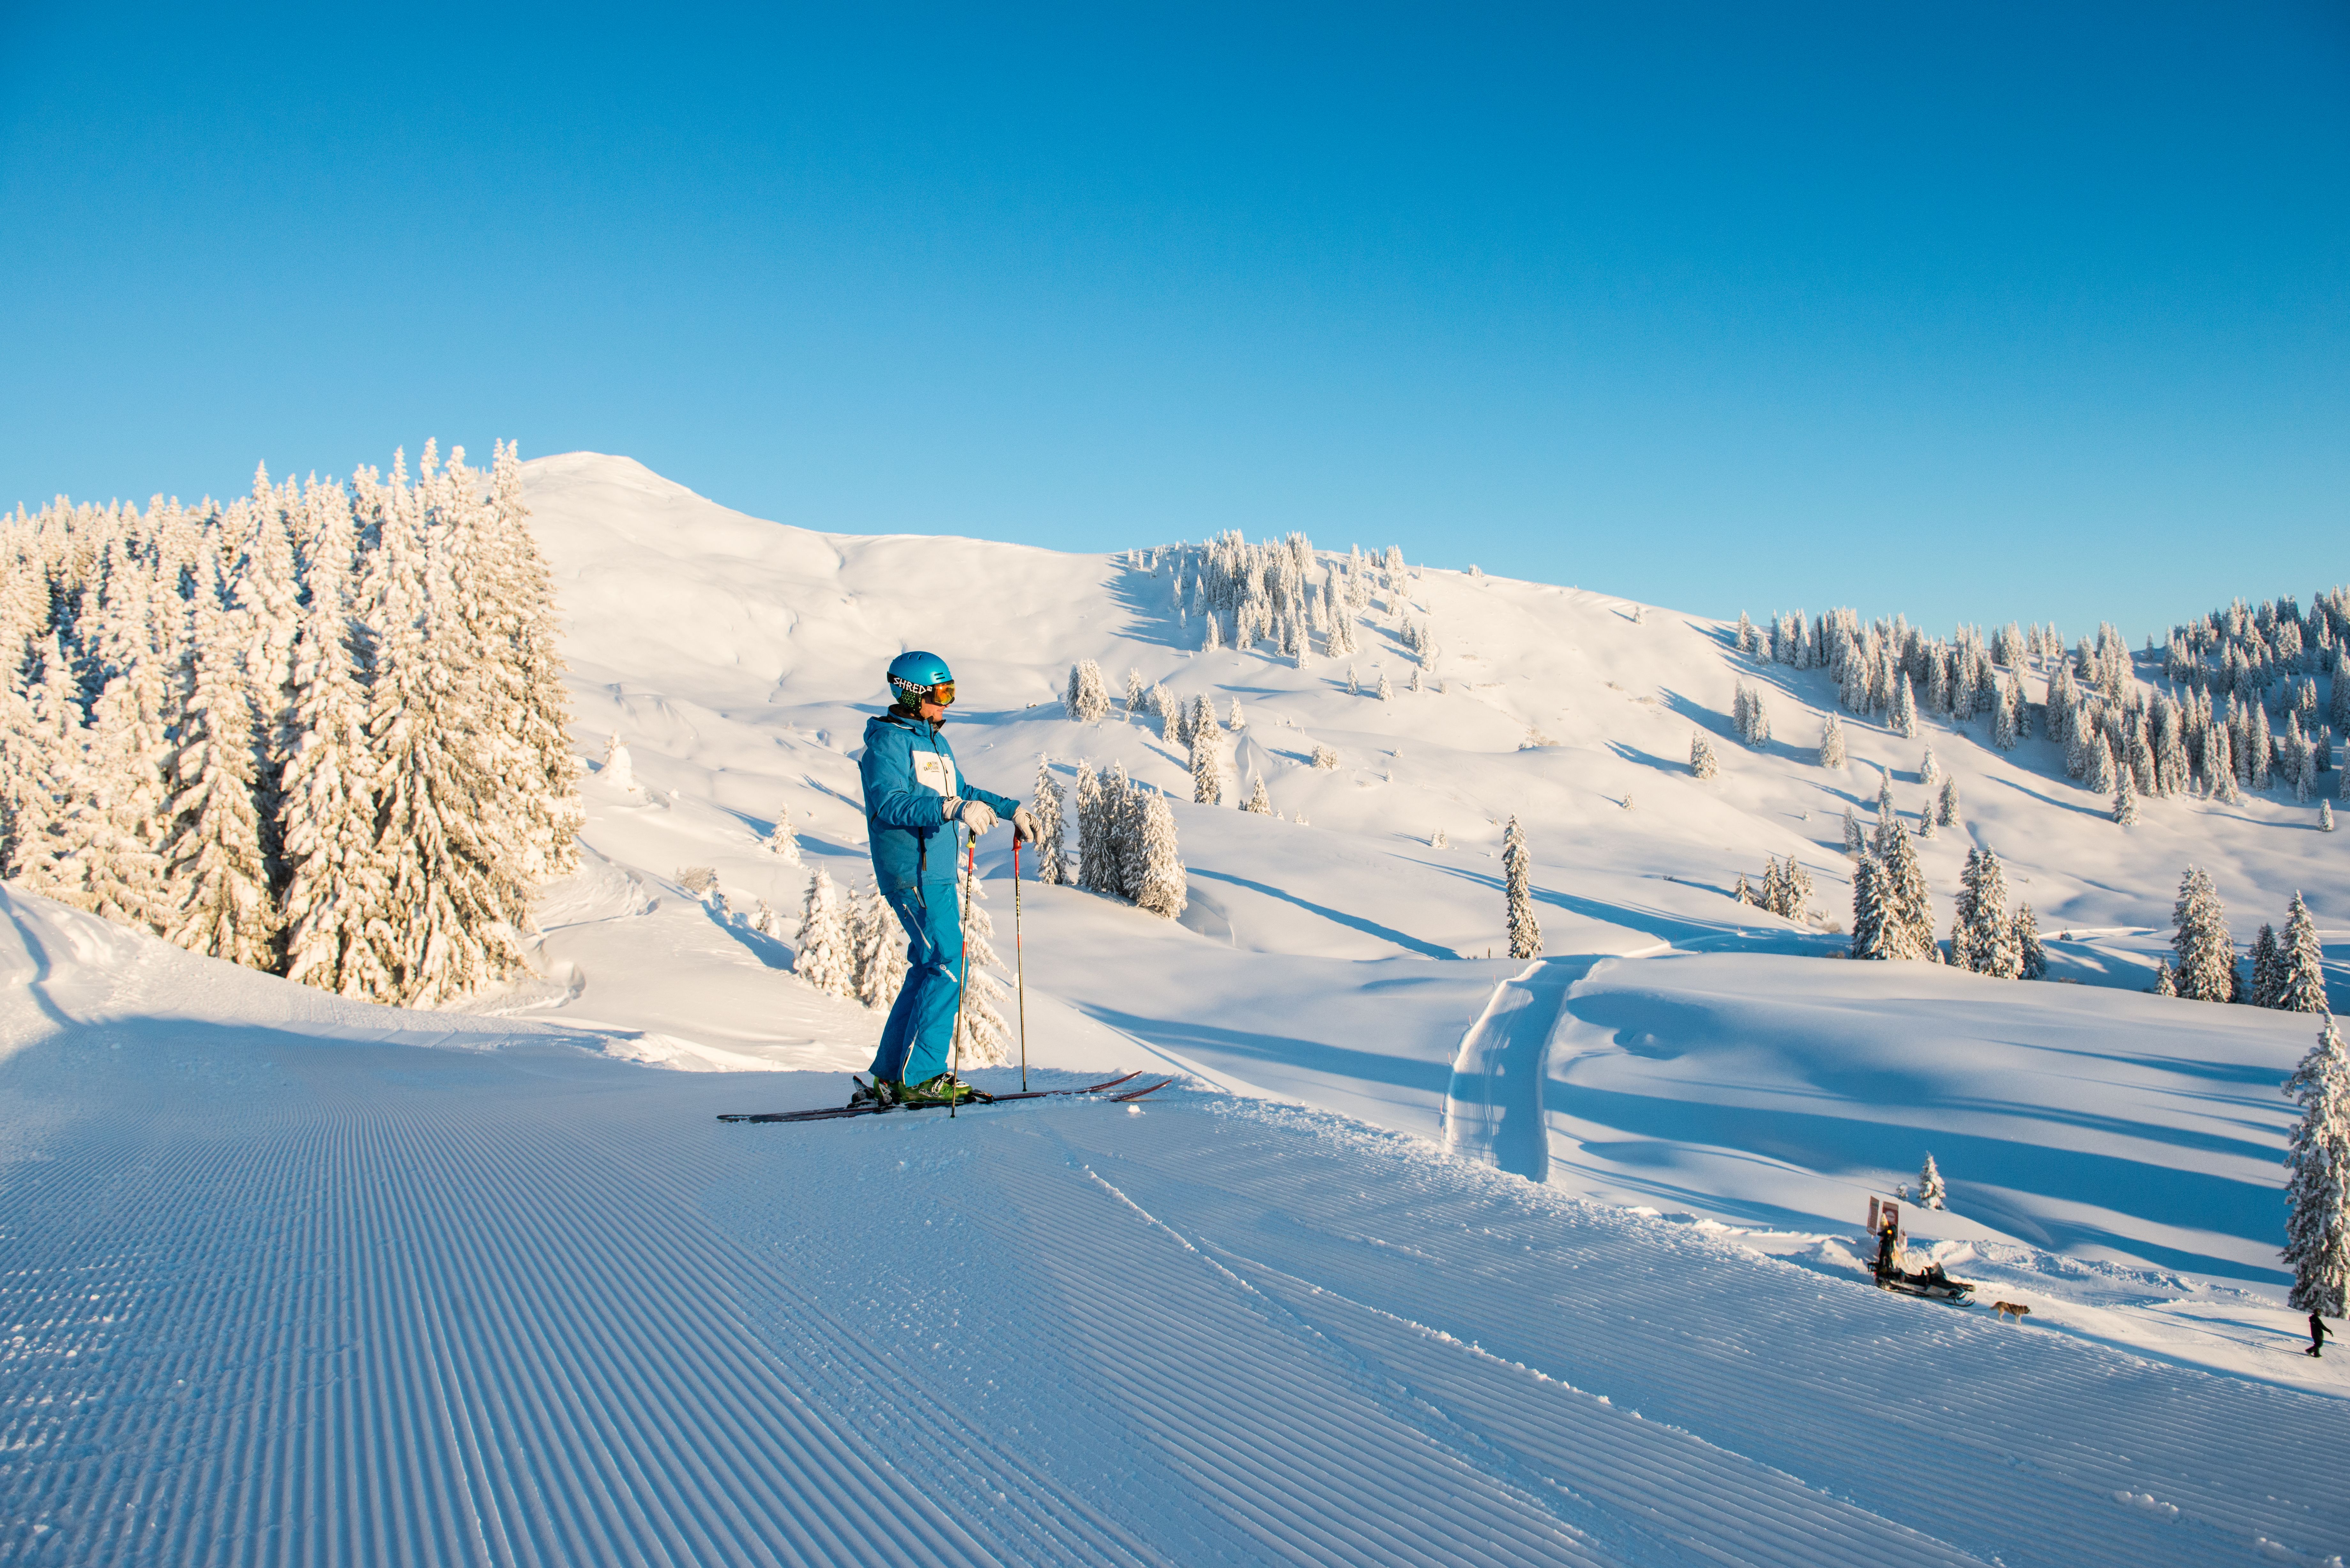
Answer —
(281, 1300)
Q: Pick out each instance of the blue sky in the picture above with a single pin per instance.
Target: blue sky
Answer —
(1983, 313)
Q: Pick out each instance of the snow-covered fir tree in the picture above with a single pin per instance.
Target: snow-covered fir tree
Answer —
(2206, 970)
(1909, 919)
(2031, 955)
(2300, 963)
(1982, 934)
(2317, 1185)
(447, 833)
(1871, 938)
(1165, 888)
(1701, 760)
(1202, 721)
(1832, 754)
(1044, 808)
(781, 841)
(1133, 693)
(532, 713)
(1259, 802)
(215, 853)
(877, 945)
(2124, 800)
(1386, 692)
(1121, 819)
(1325, 759)
(1904, 718)
(1236, 723)
(1207, 767)
(823, 954)
(1526, 931)
(987, 1039)
(335, 885)
(1946, 810)
(1855, 844)
(2326, 814)
(1353, 685)
(1750, 716)
(2268, 972)
(2165, 978)
(1096, 864)
(1933, 1193)
(1930, 771)
(1087, 700)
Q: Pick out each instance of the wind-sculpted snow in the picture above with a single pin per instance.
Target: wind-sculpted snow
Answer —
(277, 1298)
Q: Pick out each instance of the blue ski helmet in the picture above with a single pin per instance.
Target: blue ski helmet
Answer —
(917, 677)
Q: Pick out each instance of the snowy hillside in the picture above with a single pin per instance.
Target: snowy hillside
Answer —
(1431, 1255)
(737, 659)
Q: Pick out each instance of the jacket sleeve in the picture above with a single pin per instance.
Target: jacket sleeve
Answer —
(892, 798)
(1003, 806)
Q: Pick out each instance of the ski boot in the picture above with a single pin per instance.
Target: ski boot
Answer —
(879, 1094)
(945, 1089)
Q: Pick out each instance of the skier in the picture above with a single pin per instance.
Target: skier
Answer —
(914, 796)
(2316, 1336)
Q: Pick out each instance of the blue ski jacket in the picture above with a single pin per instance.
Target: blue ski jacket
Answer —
(908, 774)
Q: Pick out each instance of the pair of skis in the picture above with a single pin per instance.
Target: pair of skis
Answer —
(836, 1113)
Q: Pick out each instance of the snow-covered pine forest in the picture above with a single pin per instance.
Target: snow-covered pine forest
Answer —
(318, 730)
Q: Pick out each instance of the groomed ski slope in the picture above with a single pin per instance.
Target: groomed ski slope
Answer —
(294, 1280)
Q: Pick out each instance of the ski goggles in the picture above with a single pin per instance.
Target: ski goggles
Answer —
(942, 694)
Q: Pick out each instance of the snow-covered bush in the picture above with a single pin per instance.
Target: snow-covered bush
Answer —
(1701, 760)
(1324, 758)
(782, 842)
(617, 771)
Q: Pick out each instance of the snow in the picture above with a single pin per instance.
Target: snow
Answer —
(1431, 1255)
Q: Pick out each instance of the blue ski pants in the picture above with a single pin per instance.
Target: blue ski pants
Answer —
(917, 1041)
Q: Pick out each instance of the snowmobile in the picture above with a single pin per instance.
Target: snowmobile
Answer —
(1931, 1281)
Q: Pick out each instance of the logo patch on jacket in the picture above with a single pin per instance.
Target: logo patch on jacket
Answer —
(931, 772)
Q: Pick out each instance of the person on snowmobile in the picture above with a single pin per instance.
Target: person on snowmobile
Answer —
(914, 797)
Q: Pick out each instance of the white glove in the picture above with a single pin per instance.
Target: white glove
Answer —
(975, 815)
(1023, 826)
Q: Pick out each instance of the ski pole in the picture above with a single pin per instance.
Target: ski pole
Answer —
(1019, 965)
(962, 971)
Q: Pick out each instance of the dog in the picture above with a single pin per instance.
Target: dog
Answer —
(2018, 1309)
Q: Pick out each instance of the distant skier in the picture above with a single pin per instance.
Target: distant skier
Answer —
(2316, 1336)
(914, 797)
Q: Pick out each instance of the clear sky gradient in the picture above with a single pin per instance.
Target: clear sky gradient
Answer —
(1989, 312)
